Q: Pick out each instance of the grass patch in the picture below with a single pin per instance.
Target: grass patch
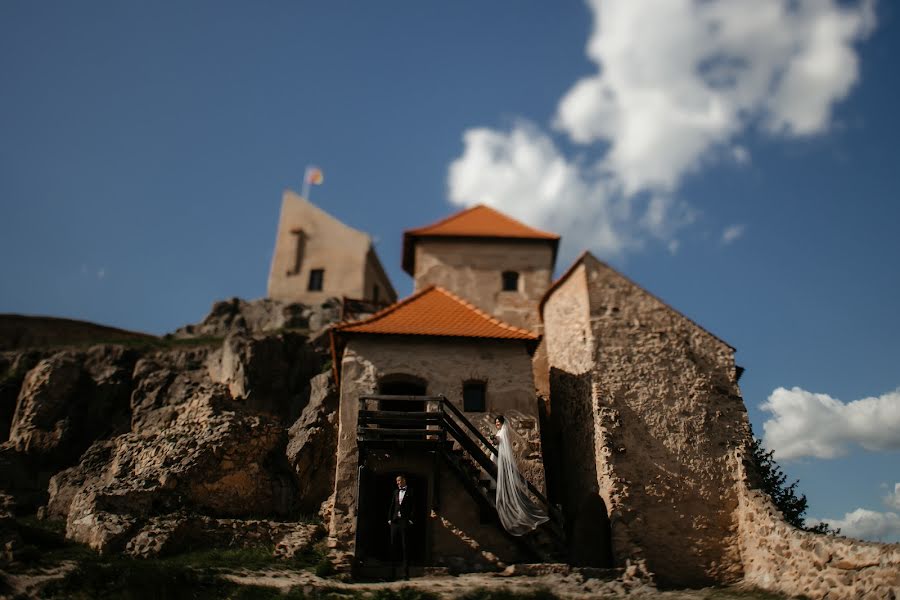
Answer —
(192, 574)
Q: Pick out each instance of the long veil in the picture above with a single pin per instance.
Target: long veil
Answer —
(519, 514)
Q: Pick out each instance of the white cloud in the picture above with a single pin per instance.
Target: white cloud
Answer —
(867, 525)
(893, 499)
(101, 273)
(523, 173)
(817, 425)
(731, 233)
(662, 104)
(702, 72)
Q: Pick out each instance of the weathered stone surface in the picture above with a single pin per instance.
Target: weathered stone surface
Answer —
(65, 484)
(211, 461)
(172, 533)
(267, 374)
(42, 420)
(781, 558)
(312, 444)
(297, 540)
(70, 399)
(13, 368)
(164, 382)
(242, 317)
(10, 540)
(472, 270)
(646, 407)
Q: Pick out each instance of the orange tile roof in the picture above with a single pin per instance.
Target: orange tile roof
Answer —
(434, 311)
(477, 221)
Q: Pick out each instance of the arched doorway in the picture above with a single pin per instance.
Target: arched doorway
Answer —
(402, 385)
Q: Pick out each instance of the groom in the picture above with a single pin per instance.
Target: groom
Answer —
(400, 520)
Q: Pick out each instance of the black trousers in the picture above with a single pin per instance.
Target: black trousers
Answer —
(398, 546)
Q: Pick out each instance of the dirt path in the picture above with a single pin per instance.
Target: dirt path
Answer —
(572, 585)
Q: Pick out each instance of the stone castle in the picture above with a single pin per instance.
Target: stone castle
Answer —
(281, 423)
(638, 434)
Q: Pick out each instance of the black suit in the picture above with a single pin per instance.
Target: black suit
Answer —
(401, 519)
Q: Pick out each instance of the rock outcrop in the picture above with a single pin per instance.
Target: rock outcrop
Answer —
(70, 399)
(169, 534)
(66, 400)
(208, 460)
(236, 316)
(151, 449)
(267, 374)
(312, 444)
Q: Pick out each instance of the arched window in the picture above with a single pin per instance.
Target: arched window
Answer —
(510, 281)
(474, 396)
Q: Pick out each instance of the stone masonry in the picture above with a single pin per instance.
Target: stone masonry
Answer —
(652, 398)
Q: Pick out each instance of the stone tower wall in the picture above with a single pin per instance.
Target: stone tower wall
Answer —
(472, 268)
(351, 267)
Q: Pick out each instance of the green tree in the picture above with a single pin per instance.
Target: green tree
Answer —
(772, 481)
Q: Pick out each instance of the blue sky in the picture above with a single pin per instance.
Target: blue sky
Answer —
(741, 167)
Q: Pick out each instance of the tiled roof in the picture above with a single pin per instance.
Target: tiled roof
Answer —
(477, 221)
(481, 221)
(434, 311)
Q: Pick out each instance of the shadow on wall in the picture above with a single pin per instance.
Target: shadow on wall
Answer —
(573, 469)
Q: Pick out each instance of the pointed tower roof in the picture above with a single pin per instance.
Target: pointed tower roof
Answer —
(434, 311)
(479, 221)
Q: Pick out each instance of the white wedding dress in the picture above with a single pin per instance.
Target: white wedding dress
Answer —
(519, 514)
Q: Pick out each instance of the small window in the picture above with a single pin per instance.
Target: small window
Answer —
(474, 396)
(316, 279)
(298, 251)
(510, 281)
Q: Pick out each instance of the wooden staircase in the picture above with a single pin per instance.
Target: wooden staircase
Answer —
(442, 428)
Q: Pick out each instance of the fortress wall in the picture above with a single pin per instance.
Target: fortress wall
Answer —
(569, 343)
(445, 364)
(329, 244)
(472, 270)
(668, 411)
(781, 558)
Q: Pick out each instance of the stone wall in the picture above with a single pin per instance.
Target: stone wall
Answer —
(445, 364)
(665, 409)
(781, 558)
(327, 244)
(572, 408)
(375, 276)
(472, 270)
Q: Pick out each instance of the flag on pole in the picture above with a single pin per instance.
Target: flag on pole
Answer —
(313, 176)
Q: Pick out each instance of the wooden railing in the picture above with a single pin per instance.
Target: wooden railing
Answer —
(431, 427)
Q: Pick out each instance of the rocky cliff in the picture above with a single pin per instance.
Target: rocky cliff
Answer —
(223, 433)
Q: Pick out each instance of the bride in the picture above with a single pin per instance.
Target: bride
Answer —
(518, 512)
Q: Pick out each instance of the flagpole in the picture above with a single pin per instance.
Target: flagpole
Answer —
(305, 192)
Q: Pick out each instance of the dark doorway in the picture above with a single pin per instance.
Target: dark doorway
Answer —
(402, 387)
(374, 533)
(591, 534)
